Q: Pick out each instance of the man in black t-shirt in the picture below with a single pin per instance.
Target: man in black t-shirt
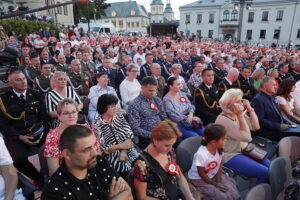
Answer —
(84, 174)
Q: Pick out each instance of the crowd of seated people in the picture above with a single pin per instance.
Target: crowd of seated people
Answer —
(139, 96)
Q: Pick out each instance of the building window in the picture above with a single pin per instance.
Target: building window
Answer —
(199, 18)
(211, 18)
(114, 23)
(265, 15)
(276, 34)
(160, 9)
(249, 35)
(262, 34)
(65, 10)
(234, 15)
(137, 24)
(251, 17)
(160, 21)
(187, 19)
(152, 9)
(199, 33)
(210, 33)
(298, 33)
(132, 12)
(59, 10)
(113, 13)
(132, 24)
(279, 15)
(128, 24)
(120, 23)
(226, 15)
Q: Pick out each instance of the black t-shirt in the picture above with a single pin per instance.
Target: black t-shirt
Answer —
(95, 186)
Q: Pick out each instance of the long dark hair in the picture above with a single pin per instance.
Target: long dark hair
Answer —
(285, 88)
(213, 132)
(170, 82)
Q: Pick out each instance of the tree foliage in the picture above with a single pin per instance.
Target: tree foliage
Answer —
(87, 11)
(23, 27)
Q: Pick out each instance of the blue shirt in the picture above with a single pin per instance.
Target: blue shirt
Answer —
(143, 118)
(95, 92)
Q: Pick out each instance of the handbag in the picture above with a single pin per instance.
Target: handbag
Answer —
(193, 125)
(254, 152)
(36, 131)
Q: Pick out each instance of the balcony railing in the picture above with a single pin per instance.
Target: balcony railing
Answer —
(229, 23)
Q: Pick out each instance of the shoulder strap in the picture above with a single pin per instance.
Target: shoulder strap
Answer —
(151, 167)
(3, 109)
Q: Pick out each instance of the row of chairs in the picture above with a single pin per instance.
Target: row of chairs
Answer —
(280, 171)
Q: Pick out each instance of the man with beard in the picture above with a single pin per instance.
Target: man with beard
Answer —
(83, 173)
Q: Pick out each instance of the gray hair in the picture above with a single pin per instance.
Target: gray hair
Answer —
(265, 80)
(228, 98)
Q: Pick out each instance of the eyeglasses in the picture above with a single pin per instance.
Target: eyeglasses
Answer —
(69, 113)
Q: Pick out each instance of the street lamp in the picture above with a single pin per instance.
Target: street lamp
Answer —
(241, 4)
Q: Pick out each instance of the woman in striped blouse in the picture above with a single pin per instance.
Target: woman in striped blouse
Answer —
(60, 91)
(115, 134)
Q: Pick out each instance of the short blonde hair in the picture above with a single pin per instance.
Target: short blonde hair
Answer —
(131, 66)
(228, 98)
(65, 102)
(257, 73)
(55, 76)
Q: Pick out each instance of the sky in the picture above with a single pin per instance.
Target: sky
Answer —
(174, 3)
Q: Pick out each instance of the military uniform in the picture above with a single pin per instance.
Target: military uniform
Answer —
(165, 69)
(121, 75)
(194, 59)
(42, 83)
(16, 116)
(81, 82)
(246, 85)
(144, 71)
(295, 75)
(220, 74)
(187, 69)
(206, 103)
(31, 73)
(282, 77)
(158, 60)
(223, 86)
(89, 68)
(63, 68)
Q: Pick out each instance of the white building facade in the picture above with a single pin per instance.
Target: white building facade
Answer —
(267, 21)
(127, 16)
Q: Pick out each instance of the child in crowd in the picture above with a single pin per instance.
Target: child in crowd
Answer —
(206, 171)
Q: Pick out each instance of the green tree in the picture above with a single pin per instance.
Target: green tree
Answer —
(87, 11)
(23, 27)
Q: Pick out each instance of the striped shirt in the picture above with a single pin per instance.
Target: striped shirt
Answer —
(112, 134)
(52, 99)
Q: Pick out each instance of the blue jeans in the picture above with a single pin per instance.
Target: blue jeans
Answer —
(190, 132)
(250, 168)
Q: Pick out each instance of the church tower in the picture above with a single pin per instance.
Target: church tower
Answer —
(168, 13)
(157, 14)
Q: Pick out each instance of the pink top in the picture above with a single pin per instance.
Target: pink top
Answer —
(52, 145)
